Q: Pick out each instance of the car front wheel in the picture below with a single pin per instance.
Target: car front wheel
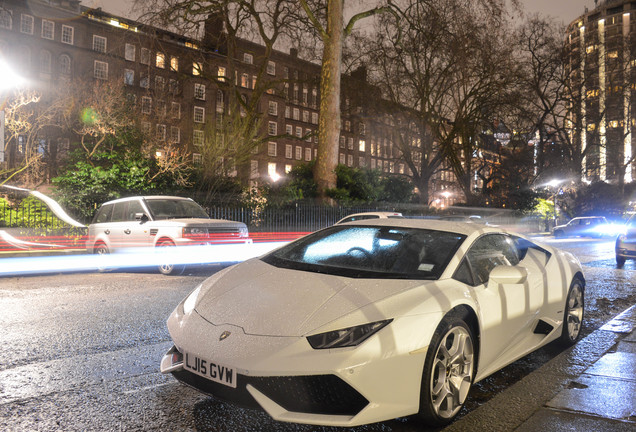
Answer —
(620, 261)
(449, 371)
(167, 268)
(573, 313)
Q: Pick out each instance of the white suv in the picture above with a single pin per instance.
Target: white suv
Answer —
(158, 221)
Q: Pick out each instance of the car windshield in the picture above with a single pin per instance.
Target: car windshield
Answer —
(371, 252)
(175, 208)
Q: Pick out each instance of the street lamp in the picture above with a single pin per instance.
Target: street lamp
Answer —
(555, 184)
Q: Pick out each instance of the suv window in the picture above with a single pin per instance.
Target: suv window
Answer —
(119, 212)
(134, 207)
(103, 214)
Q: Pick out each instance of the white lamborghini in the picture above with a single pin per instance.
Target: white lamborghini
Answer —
(373, 320)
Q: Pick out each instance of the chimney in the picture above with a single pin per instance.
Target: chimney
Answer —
(214, 37)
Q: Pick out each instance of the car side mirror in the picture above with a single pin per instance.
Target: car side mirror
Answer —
(505, 274)
(141, 217)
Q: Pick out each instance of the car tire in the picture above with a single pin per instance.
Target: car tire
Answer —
(101, 249)
(620, 261)
(169, 268)
(449, 371)
(573, 313)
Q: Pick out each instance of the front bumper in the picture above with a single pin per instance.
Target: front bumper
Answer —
(292, 382)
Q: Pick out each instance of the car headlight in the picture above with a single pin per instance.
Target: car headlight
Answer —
(347, 337)
(191, 300)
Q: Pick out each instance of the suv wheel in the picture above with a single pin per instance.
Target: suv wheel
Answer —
(168, 268)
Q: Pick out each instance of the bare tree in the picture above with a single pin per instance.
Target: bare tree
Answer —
(448, 62)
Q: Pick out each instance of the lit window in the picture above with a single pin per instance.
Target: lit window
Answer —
(288, 168)
(67, 34)
(26, 24)
(130, 52)
(199, 114)
(100, 70)
(362, 145)
(174, 64)
(271, 170)
(99, 43)
(221, 73)
(160, 60)
(245, 80)
(48, 29)
(197, 68)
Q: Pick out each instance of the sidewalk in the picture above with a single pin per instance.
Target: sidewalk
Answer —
(589, 387)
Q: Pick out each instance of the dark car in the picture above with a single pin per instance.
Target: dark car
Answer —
(626, 243)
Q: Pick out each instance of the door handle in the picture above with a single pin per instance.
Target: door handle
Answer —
(126, 231)
(107, 232)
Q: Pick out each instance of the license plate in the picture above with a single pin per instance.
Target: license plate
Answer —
(210, 370)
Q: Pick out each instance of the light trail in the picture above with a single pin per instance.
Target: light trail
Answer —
(136, 258)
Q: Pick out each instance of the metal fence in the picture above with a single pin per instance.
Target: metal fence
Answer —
(28, 214)
(296, 217)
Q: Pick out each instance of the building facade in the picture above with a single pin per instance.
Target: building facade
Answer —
(179, 91)
(601, 45)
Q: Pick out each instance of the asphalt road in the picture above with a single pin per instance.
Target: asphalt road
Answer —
(81, 352)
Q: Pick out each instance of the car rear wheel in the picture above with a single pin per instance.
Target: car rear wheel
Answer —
(168, 268)
(620, 261)
(573, 313)
(449, 371)
(101, 249)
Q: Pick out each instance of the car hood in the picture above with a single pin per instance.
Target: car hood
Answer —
(199, 222)
(266, 300)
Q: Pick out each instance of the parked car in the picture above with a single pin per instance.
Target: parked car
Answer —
(592, 226)
(461, 218)
(626, 243)
(370, 215)
(372, 320)
(158, 221)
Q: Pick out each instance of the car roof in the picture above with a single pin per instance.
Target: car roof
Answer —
(465, 228)
(147, 197)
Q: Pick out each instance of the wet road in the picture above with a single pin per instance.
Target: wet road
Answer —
(81, 352)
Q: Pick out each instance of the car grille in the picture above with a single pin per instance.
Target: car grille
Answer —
(315, 394)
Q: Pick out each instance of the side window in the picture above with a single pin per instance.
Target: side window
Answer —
(103, 214)
(487, 253)
(134, 207)
(119, 212)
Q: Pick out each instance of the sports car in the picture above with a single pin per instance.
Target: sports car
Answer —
(373, 320)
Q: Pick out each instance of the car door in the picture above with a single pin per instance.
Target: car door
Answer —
(506, 310)
(136, 232)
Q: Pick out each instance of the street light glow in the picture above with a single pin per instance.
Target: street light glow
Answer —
(8, 78)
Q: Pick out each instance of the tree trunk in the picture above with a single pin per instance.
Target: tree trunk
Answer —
(329, 124)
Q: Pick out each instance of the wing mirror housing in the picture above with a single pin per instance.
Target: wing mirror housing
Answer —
(505, 274)
(141, 217)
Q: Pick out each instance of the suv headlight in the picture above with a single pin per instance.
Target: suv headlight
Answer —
(347, 337)
(191, 300)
